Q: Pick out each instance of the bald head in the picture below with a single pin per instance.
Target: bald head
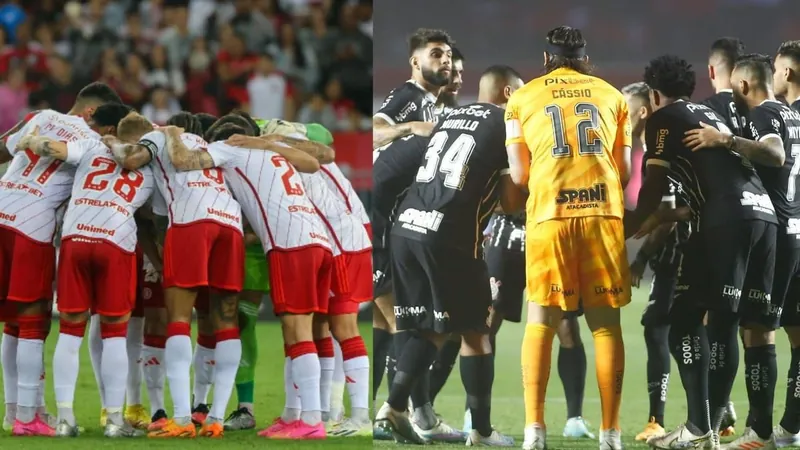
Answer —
(497, 84)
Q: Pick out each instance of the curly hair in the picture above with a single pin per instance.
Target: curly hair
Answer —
(670, 75)
(425, 36)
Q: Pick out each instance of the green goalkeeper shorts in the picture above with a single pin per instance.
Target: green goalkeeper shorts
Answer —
(256, 270)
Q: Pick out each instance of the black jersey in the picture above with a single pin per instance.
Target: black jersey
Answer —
(722, 103)
(508, 232)
(796, 105)
(393, 170)
(719, 185)
(456, 188)
(774, 119)
(408, 103)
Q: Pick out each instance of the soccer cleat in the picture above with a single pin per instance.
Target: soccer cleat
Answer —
(200, 414)
(610, 440)
(121, 431)
(173, 430)
(297, 430)
(381, 432)
(36, 427)
(680, 437)
(277, 425)
(749, 440)
(241, 419)
(103, 417)
(63, 429)
(467, 428)
(726, 432)
(576, 427)
(496, 439)
(652, 429)
(158, 420)
(535, 437)
(212, 430)
(784, 438)
(137, 416)
(399, 423)
(8, 425)
(441, 432)
(729, 418)
(350, 428)
(49, 419)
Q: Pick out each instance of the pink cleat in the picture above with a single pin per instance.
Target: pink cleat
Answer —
(301, 431)
(278, 425)
(36, 427)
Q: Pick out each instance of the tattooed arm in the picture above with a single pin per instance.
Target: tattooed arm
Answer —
(129, 156)
(43, 146)
(182, 158)
(320, 152)
(302, 161)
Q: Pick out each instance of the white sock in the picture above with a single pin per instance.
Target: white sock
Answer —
(154, 371)
(96, 355)
(66, 365)
(291, 410)
(8, 359)
(204, 365)
(178, 355)
(358, 377)
(227, 356)
(41, 408)
(114, 370)
(29, 368)
(337, 387)
(135, 339)
(325, 382)
(306, 376)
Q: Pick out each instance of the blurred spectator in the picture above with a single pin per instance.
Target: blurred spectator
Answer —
(317, 110)
(133, 39)
(295, 59)
(61, 88)
(161, 107)
(25, 55)
(13, 98)
(89, 37)
(255, 29)
(234, 67)
(268, 91)
(160, 74)
(176, 39)
(11, 16)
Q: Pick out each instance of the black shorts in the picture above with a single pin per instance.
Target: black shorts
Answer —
(728, 269)
(439, 289)
(786, 287)
(662, 289)
(381, 272)
(507, 266)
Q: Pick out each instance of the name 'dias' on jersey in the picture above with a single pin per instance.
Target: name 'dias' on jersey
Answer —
(582, 198)
(420, 221)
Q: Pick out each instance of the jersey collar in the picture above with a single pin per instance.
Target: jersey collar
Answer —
(428, 96)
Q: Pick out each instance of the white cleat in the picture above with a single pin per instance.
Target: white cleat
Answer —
(784, 438)
(610, 440)
(679, 438)
(63, 429)
(124, 431)
(749, 440)
(474, 439)
(535, 438)
(577, 428)
(399, 424)
(441, 432)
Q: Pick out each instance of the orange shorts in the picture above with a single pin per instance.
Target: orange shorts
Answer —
(574, 259)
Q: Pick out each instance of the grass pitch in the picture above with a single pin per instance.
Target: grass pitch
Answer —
(269, 404)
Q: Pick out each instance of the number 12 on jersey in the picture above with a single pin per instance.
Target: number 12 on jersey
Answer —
(453, 163)
(588, 142)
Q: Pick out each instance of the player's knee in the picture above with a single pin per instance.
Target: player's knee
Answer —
(757, 335)
(344, 326)
(793, 333)
(73, 324)
(545, 315)
(475, 344)
(602, 317)
(155, 321)
(113, 327)
(569, 334)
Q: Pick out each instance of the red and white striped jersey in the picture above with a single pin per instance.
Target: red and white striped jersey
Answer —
(340, 185)
(105, 196)
(34, 186)
(272, 196)
(195, 195)
(344, 228)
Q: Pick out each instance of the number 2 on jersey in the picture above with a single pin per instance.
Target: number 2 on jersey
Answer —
(291, 187)
(453, 162)
(126, 184)
(46, 173)
(588, 142)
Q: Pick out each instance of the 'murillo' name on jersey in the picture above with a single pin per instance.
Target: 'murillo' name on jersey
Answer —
(720, 186)
(456, 189)
(393, 170)
(774, 119)
(408, 103)
(722, 103)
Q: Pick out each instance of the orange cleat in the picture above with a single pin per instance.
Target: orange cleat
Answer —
(173, 430)
(200, 414)
(729, 431)
(212, 430)
(158, 420)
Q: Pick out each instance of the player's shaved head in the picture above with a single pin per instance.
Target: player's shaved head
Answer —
(497, 83)
(638, 90)
(786, 79)
(638, 97)
(724, 53)
(133, 127)
(105, 118)
(755, 68)
(566, 48)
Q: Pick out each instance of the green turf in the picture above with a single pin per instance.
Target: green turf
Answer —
(508, 411)
(269, 403)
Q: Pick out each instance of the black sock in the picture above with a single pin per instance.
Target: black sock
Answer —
(477, 374)
(723, 339)
(656, 338)
(791, 415)
(761, 365)
(398, 342)
(689, 346)
(381, 343)
(572, 371)
(417, 356)
(421, 391)
(443, 366)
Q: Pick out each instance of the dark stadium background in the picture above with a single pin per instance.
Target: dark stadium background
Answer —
(622, 35)
(163, 56)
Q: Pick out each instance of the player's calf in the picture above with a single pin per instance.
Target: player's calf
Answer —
(153, 365)
(32, 320)
(203, 360)
(355, 363)
(224, 313)
(8, 360)
(324, 344)
(66, 365)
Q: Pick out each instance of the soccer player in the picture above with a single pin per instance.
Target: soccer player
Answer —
(787, 85)
(731, 249)
(772, 126)
(661, 252)
(97, 265)
(575, 248)
(721, 59)
(448, 94)
(442, 283)
(31, 190)
(295, 241)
